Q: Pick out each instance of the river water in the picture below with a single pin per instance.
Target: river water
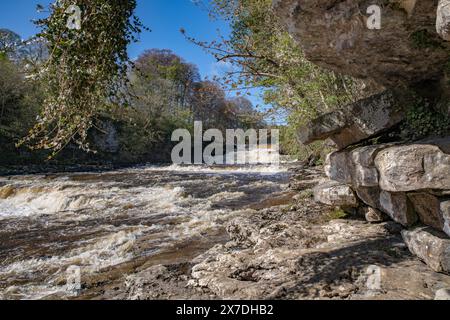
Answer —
(110, 224)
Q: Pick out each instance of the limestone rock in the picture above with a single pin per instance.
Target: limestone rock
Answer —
(430, 246)
(338, 167)
(373, 215)
(443, 19)
(428, 208)
(335, 35)
(323, 127)
(364, 173)
(355, 122)
(415, 167)
(442, 295)
(370, 196)
(356, 167)
(398, 207)
(445, 210)
(335, 194)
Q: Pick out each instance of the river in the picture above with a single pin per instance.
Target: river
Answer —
(111, 224)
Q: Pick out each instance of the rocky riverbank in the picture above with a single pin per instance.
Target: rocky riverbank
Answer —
(295, 248)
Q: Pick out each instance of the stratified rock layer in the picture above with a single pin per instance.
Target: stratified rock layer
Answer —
(335, 35)
(408, 182)
(414, 167)
(355, 122)
(335, 194)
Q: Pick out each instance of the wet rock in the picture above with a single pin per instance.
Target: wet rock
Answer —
(355, 122)
(415, 167)
(431, 246)
(333, 193)
(442, 294)
(335, 35)
(398, 207)
(428, 208)
(443, 19)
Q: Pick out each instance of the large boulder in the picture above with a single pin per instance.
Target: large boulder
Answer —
(443, 19)
(418, 166)
(335, 35)
(355, 122)
(430, 246)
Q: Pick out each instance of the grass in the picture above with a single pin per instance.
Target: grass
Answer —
(337, 214)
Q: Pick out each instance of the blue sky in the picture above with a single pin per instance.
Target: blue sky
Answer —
(164, 17)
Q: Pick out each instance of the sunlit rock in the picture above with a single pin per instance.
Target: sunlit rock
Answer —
(424, 165)
(355, 122)
(430, 246)
(335, 194)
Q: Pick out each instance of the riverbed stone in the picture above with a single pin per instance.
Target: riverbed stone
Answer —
(398, 207)
(414, 167)
(431, 246)
(333, 193)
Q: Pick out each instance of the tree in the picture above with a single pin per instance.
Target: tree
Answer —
(86, 71)
(264, 55)
(163, 83)
(19, 101)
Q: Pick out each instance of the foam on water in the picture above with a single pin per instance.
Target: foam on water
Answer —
(248, 169)
(107, 251)
(163, 209)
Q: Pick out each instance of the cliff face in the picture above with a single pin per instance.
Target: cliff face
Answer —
(334, 34)
(406, 178)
